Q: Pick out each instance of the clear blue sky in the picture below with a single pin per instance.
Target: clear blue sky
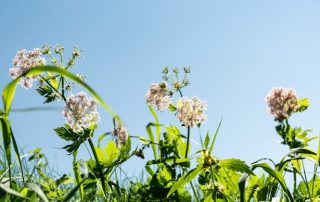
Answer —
(238, 51)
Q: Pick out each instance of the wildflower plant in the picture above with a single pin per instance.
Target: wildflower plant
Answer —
(177, 171)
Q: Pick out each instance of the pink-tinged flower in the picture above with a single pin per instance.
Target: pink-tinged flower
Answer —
(282, 102)
(80, 112)
(23, 61)
(159, 96)
(191, 111)
(120, 134)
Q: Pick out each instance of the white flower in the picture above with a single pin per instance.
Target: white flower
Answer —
(121, 134)
(191, 111)
(282, 102)
(159, 96)
(23, 61)
(80, 112)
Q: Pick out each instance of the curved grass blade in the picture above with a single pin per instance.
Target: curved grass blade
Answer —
(12, 192)
(37, 189)
(73, 191)
(158, 128)
(9, 91)
(6, 135)
(184, 179)
(276, 175)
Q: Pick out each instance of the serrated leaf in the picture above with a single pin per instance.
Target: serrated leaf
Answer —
(236, 165)
(66, 133)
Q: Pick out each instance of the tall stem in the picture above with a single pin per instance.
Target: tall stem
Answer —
(98, 164)
(188, 139)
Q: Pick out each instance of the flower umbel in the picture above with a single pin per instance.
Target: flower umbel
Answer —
(282, 102)
(191, 111)
(23, 61)
(159, 95)
(80, 112)
(120, 134)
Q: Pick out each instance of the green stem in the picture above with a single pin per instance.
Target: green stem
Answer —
(98, 164)
(188, 140)
(306, 180)
(315, 169)
(63, 97)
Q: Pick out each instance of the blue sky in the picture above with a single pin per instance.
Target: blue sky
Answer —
(238, 51)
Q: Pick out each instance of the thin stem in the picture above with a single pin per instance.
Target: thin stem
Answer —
(194, 192)
(180, 92)
(188, 139)
(98, 164)
(64, 98)
(306, 179)
(315, 168)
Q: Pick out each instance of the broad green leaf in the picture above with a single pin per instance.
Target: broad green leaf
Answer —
(236, 165)
(112, 152)
(101, 156)
(184, 179)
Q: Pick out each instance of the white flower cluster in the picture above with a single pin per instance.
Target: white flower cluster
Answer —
(80, 112)
(282, 102)
(121, 135)
(191, 111)
(23, 61)
(159, 96)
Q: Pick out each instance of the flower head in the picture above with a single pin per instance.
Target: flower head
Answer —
(282, 102)
(191, 111)
(23, 61)
(80, 112)
(120, 134)
(159, 95)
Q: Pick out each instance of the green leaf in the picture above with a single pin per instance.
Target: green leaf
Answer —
(151, 138)
(157, 125)
(215, 137)
(236, 165)
(66, 133)
(206, 141)
(276, 175)
(102, 137)
(12, 192)
(101, 156)
(303, 104)
(47, 92)
(6, 136)
(184, 179)
(37, 189)
(112, 152)
(242, 187)
(172, 107)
